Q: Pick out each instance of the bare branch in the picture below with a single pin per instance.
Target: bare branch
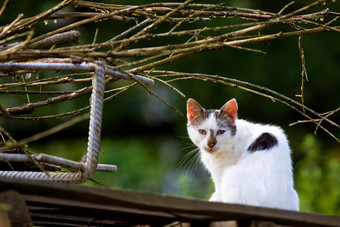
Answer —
(23, 48)
(48, 132)
(4, 6)
(303, 73)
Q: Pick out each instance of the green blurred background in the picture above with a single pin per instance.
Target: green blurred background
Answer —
(148, 141)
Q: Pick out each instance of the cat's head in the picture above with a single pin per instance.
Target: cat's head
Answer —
(211, 129)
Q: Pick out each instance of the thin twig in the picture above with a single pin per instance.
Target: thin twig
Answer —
(327, 115)
(303, 9)
(323, 25)
(29, 21)
(4, 6)
(79, 23)
(17, 47)
(48, 132)
(275, 96)
(14, 36)
(155, 24)
(285, 7)
(25, 92)
(74, 112)
(9, 136)
(95, 36)
(303, 73)
(133, 29)
(172, 87)
(7, 28)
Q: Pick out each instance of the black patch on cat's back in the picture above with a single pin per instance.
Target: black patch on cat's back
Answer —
(265, 141)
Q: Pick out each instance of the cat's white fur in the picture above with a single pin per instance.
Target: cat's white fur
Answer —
(262, 178)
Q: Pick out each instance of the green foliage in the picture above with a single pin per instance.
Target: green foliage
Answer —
(138, 162)
(317, 177)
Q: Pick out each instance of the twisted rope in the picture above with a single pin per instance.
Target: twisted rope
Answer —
(97, 97)
(84, 67)
(54, 160)
(93, 145)
(41, 176)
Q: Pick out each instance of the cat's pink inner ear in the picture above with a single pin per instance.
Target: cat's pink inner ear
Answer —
(193, 109)
(230, 109)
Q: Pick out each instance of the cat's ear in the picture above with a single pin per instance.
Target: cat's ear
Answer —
(193, 109)
(230, 110)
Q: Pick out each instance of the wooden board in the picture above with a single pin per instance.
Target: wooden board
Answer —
(53, 203)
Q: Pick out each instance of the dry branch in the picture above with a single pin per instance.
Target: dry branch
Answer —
(19, 45)
(259, 90)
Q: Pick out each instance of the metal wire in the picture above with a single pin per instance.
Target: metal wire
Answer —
(91, 163)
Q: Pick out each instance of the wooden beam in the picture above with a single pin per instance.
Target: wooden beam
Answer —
(117, 205)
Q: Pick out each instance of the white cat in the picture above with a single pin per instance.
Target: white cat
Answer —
(249, 163)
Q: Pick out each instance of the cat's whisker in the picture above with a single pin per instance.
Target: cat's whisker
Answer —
(190, 146)
(187, 156)
(194, 162)
(184, 161)
(197, 160)
(190, 160)
(183, 137)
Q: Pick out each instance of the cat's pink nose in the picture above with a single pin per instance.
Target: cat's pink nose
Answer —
(211, 144)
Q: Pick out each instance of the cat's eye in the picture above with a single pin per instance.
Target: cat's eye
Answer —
(202, 131)
(220, 132)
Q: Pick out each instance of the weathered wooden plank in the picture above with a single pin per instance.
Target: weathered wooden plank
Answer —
(4, 218)
(18, 213)
(149, 206)
(86, 210)
(44, 219)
